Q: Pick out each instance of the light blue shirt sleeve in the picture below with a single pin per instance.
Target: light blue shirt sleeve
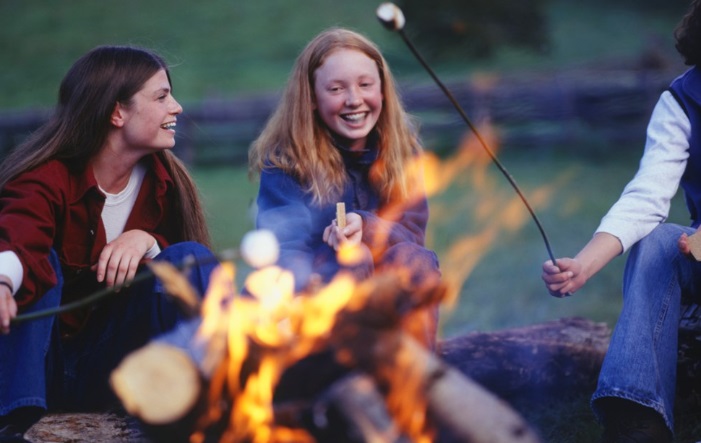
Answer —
(646, 199)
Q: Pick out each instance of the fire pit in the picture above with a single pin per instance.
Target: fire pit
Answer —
(216, 378)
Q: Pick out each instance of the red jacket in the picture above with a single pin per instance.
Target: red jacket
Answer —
(54, 207)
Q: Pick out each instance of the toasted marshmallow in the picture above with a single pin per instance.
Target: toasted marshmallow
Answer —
(391, 16)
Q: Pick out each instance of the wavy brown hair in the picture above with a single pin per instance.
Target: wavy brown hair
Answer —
(688, 34)
(78, 127)
(297, 141)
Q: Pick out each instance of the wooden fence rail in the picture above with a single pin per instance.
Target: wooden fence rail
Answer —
(555, 110)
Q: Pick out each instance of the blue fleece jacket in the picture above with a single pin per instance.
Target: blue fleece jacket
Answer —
(288, 211)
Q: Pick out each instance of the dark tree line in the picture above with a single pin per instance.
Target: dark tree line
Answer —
(476, 28)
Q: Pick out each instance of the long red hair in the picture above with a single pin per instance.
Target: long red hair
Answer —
(299, 143)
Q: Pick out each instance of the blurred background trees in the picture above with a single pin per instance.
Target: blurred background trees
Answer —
(477, 28)
(450, 29)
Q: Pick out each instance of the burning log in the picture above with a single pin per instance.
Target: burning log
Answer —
(366, 336)
(350, 410)
(161, 386)
(370, 327)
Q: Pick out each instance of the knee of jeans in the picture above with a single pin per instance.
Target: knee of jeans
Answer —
(188, 249)
(660, 241)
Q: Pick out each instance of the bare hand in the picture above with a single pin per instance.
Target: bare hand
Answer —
(684, 247)
(8, 309)
(352, 233)
(120, 258)
(565, 278)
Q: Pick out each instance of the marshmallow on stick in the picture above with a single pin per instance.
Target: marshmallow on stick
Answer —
(341, 215)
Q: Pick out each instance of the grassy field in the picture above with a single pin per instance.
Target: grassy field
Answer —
(221, 48)
(485, 239)
(500, 282)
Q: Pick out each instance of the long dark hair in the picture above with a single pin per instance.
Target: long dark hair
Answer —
(78, 127)
(688, 34)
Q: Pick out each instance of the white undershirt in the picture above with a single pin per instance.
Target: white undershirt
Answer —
(118, 206)
(114, 217)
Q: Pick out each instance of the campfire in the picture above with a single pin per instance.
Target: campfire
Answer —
(217, 378)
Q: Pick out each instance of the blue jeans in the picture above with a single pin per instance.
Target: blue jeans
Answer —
(38, 368)
(641, 361)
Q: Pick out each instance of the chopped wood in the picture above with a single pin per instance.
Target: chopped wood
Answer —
(411, 375)
(102, 427)
(158, 384)
(461, 353)
(355, 398)
(551, 358)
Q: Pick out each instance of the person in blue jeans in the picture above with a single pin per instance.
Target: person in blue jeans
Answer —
(85, 202)
(635, 395)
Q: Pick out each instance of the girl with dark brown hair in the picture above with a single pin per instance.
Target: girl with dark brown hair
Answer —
(84, 202)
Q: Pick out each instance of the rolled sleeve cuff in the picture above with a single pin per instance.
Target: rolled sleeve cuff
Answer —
(626, 233)
(153, 251)
(12, 267)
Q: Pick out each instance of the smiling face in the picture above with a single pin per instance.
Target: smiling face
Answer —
(348, 95)
(148, 121)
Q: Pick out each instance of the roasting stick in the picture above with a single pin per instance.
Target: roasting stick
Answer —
(392, 18)
(341, 215)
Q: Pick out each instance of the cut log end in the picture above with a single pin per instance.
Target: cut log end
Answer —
(158, 384)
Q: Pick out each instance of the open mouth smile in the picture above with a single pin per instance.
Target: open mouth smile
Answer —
(355, 117)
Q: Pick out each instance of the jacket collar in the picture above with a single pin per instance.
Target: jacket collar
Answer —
(84, 182)
(362, 157)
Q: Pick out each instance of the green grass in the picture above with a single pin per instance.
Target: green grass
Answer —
(570, 193)
(223, 48)
(504, 288)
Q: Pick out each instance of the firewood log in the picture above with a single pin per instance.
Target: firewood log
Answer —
(366, 337)
(458, 352)
(162, 387)
(370, 334)
(552, 358)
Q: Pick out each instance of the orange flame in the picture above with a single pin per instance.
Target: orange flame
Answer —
(252, 339)
(495, 212)
(278, 328)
